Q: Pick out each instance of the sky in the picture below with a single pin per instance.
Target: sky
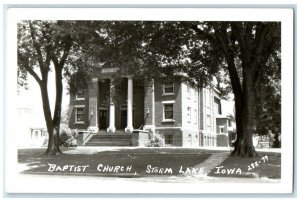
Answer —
(32, 99)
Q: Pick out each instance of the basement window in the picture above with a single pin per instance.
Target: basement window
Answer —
(168, 139)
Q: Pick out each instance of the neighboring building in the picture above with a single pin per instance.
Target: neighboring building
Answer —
(225, 131)
(183, 115)
(31, 128)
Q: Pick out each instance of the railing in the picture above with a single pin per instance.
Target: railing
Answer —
(88, 137)
(84, 137)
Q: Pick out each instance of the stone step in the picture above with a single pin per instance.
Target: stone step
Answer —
(118, 132)
(110, 140)
(108, 144)
(107, 140)
(111, 137)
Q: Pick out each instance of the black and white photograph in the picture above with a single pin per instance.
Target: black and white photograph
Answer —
(150, 101)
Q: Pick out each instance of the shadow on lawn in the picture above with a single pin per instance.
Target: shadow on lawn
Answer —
(138, 159)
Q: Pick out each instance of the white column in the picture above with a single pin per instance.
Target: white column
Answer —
(93, 105)
(129, 127)
(112, 127)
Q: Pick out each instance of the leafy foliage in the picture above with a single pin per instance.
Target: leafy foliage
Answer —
(67, 137)
(268, 99)
(156, 140)
(43, 45)
(243, 56)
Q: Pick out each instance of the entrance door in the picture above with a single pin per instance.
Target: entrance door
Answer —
(123, 118)
(103, 119)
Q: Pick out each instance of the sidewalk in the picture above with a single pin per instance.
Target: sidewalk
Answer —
(209, 164)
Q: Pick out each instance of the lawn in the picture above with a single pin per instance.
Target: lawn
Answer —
(141, 162)
(138, 159)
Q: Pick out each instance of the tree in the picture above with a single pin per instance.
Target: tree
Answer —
(242, 50)
(41, 45)
(267, 106)
(245, 49)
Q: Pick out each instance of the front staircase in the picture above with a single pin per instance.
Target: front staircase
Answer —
(102, 138)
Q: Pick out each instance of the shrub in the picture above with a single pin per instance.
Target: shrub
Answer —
(67, 137)
(45, 142)
(156, 140)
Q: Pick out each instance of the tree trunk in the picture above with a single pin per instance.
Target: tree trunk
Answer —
(52, 131)
(52, 126)
(53, 143)
(57, 109)
(244, 144)
(244, 110)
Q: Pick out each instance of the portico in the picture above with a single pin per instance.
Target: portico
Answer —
(110, 112)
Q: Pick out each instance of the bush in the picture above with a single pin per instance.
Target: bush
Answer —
(67, 137)
(156, 140)
(45, 142)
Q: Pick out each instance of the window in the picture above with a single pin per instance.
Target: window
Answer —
(36, 133)
(168, 139)
(189, 114)
(188, 90)
(217, 109)
(190, 139)
(168, 88)
(168, 112)
(195, 116)
(221, 129)
(207, 98)
(79, 115)
(208, 119)
(195, 95)
(229, 123)
(80, 95)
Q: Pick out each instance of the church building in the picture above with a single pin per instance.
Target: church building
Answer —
(180, 114)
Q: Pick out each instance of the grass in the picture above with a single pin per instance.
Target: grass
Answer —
(138, 158)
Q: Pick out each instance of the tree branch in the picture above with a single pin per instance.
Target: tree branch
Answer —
(257, 55)
(23, 60)
(66, 51)
(67, 48)
(48, 47)
(248, 32)
(261, 40)
(229, 56)
(37, 47)
(237, 30)
(203, 34)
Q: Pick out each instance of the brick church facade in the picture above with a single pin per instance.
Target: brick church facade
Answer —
(182, 115)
